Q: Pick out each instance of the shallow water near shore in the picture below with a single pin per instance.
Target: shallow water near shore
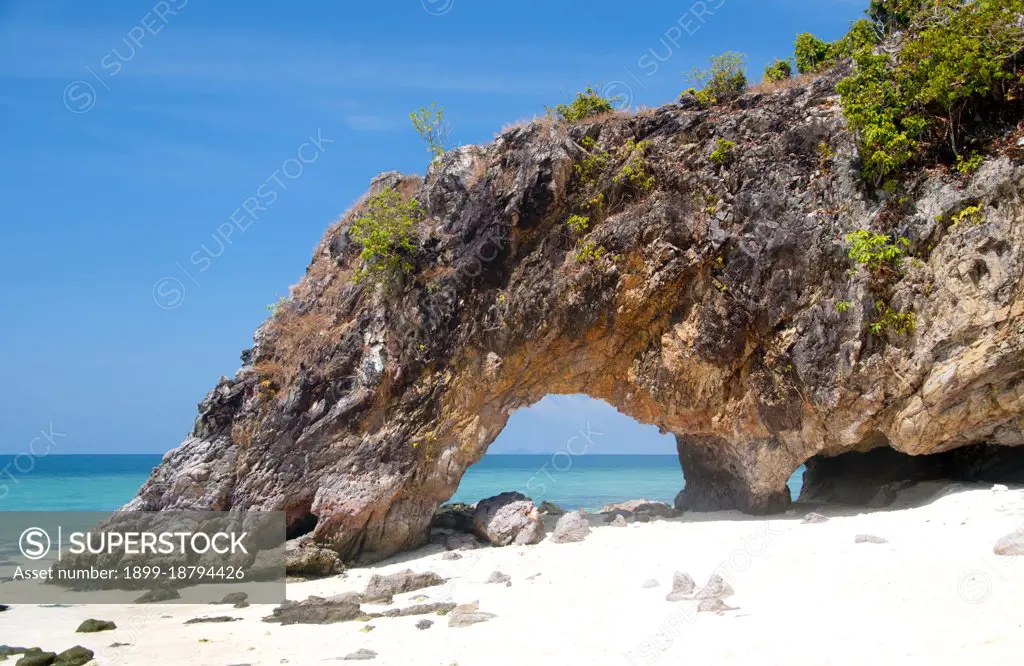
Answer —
(106, 482)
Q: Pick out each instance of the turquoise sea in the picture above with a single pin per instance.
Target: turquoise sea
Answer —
(106, 482)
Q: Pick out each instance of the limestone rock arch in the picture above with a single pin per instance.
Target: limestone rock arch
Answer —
(712, 315)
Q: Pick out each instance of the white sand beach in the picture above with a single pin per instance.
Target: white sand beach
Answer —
(806, 594)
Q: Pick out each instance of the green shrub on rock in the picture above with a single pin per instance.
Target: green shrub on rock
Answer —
(812, 54)
(386, 232)
(724, 80)
(779, 70)
(587, 103)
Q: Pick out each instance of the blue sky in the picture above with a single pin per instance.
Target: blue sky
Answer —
(133, 130)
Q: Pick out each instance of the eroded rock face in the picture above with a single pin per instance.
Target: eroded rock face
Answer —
(712, 314)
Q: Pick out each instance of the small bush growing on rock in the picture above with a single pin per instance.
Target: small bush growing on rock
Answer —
(780, 70)
(971, 214)
(634, 171)
(966, 165)
(592, 163)
(386, 232)
(842, 306)
(876, 251)
(578, 223)
(589, 252)
(892, 15)
(957, 57)
(587, 103)
(812, 54)
(722, 152)
(431, 125)
(901, 323)
(724, 80)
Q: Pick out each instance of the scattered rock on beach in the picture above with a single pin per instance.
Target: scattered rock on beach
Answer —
(641, 506)
(92, 626)
(454, 516)
(10, 651)
(713, 606)
(498, 577)
(424, 624)
(451, 555)
(619, 521)
(465, 618)
(234, 598)
(315, 610)
(716, 588)
(76, 656)
(461, 542)
(37, 657)
(439, 607)
(999, 488)
(382, 588)
(362, 654)
(508, 518)
(302, 557)
(649, 583)
(813, 518)
(550, 509)
(682, 587)
(869, 538)
(570, 528)
(157, 595)
(218, 619)
(1011, 544)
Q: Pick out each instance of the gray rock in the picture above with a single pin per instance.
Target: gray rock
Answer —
(498, 577)
(218, 619)
(10, 651)
(508, 518)
(424, 624)
(234, 598)
(652, 509)
(439, 607)
(362, 654)
(315, 610)
(382, 588)
(813, 518)
(465, 618)
(869, 538)
(619, 521)
(307, 559)
(461, 542)
(1011, 544)
(451, 555)
(571, 527)
(716, 588)
(649, 583)
(157, 595)
(713, 606)
(37, 657)
(682, 587)
(550, 509)
(92, 626)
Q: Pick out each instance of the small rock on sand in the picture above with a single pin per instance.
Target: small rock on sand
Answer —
(498, 577)
(649, 583)
(37, 657)
(716, 588)
(619, 521)
(157, 595)
(315, 610)
(466, 618)
(713, 606)
(361, 654)
(91, 626)
(682, 587)
(813, 518)
(1011, 544)
(219, 619)
(999, 488)
(424, 624)
(451, 555)
(76, 656)
(234, 598)
(572, 527)
(382, 588)
(869, 538)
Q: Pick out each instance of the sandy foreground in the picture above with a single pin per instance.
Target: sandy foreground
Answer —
(806, 594)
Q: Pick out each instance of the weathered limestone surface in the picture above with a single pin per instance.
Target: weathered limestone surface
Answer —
(713, 316)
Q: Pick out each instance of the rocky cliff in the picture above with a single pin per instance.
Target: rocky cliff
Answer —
(714, 298)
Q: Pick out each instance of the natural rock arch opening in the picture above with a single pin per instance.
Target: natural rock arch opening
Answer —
(718, 303)
(567, 449)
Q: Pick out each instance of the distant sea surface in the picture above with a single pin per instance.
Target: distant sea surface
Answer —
(106, 482)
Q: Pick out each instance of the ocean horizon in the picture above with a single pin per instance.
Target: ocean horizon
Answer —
(105, 482)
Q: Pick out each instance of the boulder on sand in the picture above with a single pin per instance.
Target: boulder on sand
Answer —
(302, 557)
(682, 587)
(382, 588)
(508, 518)
(1011, 544)
(570, 528)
